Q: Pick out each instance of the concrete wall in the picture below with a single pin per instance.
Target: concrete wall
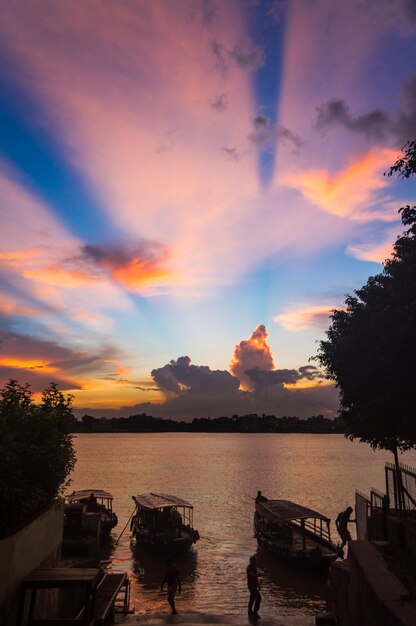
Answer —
(402, 532)
(38, 543)
(366, 593)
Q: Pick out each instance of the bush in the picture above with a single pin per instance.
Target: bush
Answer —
(36, 452)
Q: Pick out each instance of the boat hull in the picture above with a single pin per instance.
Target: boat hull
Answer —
(316, 558)
(168, 546)
(305, 561)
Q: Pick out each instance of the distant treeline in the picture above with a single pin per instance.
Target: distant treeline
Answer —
(253, 423)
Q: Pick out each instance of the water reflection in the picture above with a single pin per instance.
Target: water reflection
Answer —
(220, 475)
(148, 569)
(294, 587)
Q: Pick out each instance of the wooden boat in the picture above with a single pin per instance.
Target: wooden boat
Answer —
(96, 501)
(295, 534)
(164, 523)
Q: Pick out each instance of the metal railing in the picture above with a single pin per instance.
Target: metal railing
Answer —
(401, 488)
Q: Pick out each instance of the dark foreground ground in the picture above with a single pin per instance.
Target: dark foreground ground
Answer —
(197, 619)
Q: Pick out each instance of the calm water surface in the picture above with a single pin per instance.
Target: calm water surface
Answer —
(220, 474)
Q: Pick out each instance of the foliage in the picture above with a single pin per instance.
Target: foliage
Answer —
(36, 453)
(405, 166)
(370, 350)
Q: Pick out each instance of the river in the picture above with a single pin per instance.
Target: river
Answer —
(220, 475)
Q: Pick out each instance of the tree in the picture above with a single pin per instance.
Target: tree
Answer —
(36, 452)
(370, 350)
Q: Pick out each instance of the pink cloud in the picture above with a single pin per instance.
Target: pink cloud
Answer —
(38, 260)
(376, 251)
(306, 317)
(153, 148)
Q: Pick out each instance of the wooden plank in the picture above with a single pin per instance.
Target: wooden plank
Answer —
(107, 594)
(55, 576)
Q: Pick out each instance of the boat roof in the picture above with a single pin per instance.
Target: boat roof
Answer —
(286, 510)
(160, 501)
(85, 493)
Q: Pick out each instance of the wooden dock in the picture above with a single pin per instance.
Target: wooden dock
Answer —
(95, 596)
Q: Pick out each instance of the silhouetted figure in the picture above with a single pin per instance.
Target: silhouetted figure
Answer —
(92, 505)
(342, 526)
(260, 497)
(254, 588)
(173, 582)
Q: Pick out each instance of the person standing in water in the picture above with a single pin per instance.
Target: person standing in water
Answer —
(173, 581)
(254, 588)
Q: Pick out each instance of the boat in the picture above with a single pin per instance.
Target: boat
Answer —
(163, 523)
(95, 501)
(295, 534)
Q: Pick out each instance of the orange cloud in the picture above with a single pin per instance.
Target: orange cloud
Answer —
(60, 277)
(120, 369)
(7, 307)
(349, 192)
(43, 262)
(111, 394)
(139, 273)
(26, 364)
(252, 353)
(305, 318)
(308, 384)
(136, 265)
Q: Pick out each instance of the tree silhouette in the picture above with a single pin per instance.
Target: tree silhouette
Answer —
(36, 453)
(370, 350)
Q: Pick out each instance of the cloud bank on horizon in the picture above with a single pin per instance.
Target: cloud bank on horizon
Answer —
(253, 386)
(171, 175)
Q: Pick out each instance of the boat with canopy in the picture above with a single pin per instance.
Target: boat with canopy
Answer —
(95, 501)
(163, 522)
(295, 534)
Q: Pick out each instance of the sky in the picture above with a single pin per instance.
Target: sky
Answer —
(188, 188)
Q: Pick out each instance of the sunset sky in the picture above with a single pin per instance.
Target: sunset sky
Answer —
(188, 187)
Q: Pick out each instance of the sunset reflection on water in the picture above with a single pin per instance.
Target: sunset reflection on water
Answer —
(220, 475)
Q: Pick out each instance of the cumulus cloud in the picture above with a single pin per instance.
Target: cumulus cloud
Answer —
(253, 386)
(251, 353)
(181, 376)
(260, 379)
(196, 391)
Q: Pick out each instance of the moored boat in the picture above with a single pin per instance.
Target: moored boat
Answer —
(164, 523)
(96, 501)
(295, 534)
